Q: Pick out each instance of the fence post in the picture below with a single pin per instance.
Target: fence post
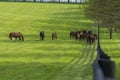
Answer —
(103, 67)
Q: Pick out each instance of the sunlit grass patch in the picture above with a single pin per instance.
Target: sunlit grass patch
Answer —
(60, 59)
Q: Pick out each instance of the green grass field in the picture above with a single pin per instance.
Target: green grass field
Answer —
(61, 59)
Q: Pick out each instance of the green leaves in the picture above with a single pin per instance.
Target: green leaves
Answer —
(107, 11)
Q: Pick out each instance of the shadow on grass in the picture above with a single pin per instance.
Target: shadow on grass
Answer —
(36, 56)
(117, 71)
(29, 71)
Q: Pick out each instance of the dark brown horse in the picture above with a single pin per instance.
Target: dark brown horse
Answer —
(42, 35)
(16, 35)
(74, 35)
(83, 36)
(54, 36)
(91, 38)
(95, 35)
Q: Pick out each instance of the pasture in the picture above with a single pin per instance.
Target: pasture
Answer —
(61, 59)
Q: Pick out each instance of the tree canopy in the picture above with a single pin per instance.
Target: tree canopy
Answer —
(105, 11)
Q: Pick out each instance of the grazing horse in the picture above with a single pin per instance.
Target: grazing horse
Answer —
(95, 35)
(74, 35)
(83, 36)
(16, 35)
(54, 36)
(91, 38)
(42, 35)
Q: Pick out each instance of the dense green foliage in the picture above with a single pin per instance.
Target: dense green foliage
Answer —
(61, 59)
(106, 12)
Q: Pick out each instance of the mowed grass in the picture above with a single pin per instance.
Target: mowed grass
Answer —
(61, 59)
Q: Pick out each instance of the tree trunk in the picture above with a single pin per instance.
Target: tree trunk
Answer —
(68, 1)
(110, 33)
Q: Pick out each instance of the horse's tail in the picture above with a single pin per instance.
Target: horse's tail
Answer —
(80, 37)
(10, 36)
(71, 34)
(95, 36)
(22, 37)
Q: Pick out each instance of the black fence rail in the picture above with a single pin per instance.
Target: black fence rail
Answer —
(103, 67)
(53, 1)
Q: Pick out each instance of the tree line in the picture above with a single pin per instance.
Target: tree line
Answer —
(58, 1)
(105, 12)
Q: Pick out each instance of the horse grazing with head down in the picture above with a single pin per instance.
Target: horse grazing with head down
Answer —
(54, 36)
(91, 38)
(42, 35)
(16, 35)
(74, 35)
(83, 36)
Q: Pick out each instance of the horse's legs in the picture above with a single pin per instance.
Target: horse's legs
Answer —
(76, 37)
(72, 37)
(15, 38)
(54, 37)
(80, 38)
(19, 38)
(22, 37)
(87, 40)
(42, 37)
(10, 38)
(92, 40)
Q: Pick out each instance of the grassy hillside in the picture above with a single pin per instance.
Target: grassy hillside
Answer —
(61, 59)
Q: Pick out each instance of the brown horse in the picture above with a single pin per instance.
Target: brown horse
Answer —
(91, 38)
(74, 35)
(16, 35)
(54, 36)
(42, 35)
(83, 36)
(95, 35)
